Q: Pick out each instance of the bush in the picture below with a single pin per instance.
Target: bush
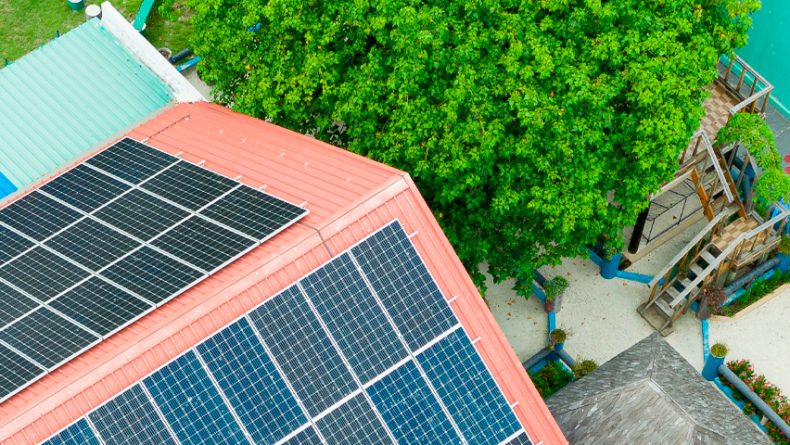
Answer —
(584, 367)
(784, 245)
(555, 287)
(718, 350)
(557, 336)
(765, 390)
(757, 290)
(551, 378)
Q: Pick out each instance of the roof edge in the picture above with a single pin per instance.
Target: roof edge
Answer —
(134, 42)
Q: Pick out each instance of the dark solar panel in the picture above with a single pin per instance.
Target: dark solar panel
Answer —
(13, 304)
(303, 350)
(305, 437)
(15, 371)
(189, 185)
(42, 274)
(84, 188)
(203, 243)
(253, 212)
(12, 244)
(152, 275)
(37, 216)
(141, 215)
(132, 161)
(99, 306)
(404, 285)
(192, 405)
(468, 391)
(77, 434)
(410, 410)
(92, 244)
(251, 382)
(353, 423)
(46, 337)
(130, 419)
(353, 317)
(521, 439)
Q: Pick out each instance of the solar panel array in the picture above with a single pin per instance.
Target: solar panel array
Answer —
(364, 350)
(110, 240)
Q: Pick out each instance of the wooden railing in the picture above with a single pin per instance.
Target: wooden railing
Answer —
(747, 84)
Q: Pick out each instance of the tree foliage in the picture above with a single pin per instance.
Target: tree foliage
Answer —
(531, 127)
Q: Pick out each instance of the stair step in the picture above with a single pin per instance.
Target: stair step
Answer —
(696, 269)
(686, 282)
(673, 292)
(664, 307)
(710, 259)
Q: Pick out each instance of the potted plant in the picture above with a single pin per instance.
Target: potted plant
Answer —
(554, 289)
(712, 300)
(784, 253)
(715, 359)
(557, 339)
(584, 367)
(718, 350)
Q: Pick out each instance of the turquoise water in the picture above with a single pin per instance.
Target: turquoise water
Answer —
(768, 50)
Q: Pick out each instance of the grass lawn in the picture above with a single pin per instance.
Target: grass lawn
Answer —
(27, 24)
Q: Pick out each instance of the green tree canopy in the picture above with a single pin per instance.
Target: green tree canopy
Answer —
(531, 127)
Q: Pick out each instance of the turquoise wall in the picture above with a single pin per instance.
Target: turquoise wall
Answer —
(768, 50)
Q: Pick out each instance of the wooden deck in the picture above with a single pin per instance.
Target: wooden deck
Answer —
(717, 109)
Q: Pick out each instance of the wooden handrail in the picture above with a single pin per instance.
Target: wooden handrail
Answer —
(752, 98)
(749, 100)
(716, 165)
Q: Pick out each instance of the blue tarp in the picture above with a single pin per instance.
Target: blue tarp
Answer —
(6, 187)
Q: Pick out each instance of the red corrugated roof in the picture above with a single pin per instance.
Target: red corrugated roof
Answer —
(348, 197)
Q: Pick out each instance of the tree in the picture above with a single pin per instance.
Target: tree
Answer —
(532, 128)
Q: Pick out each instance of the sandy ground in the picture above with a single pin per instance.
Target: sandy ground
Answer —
(763, 337)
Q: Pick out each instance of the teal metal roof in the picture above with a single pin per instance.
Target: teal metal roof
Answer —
(67, 97)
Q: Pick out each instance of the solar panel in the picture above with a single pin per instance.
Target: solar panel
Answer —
(203, 243)
(521, 439)
(305, 437)
(77, 434)
(192, 405)
(42, 273)
(100, 306)
(108, 240)
(303, 350)
(141, 215)
(467, 389)
(132, 161)
(353, 423)
(12, 244)
(410, 410)
(130, 419)
(353, 317)
(404, 285)
(251, 382)
(15, 370)
(92, 244)
(84, 188)
(37, 216)
(189, 185)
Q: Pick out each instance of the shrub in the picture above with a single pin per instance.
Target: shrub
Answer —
(551, 378)
(555, 287)
(557, 336)
(584, 367)
(766, 391)
(718, 350)
(784, 245)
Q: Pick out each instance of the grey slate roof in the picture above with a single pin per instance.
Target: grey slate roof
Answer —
(649, 394)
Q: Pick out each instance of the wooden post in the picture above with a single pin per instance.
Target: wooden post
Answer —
(740, 81)
(729, 70)
(765, 102)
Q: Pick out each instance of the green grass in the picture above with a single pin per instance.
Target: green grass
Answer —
(27, 24)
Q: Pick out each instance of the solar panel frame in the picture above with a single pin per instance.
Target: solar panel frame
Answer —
(12, 244)
(78, 433)
(307, 436)
(15, 304)
(93, 244)
(15, 369)
(519, 438)
(144, 223)
(38, 216)
(342, 427)
(84, 188)
(141, 424)
(190, 186)
(116, 159)
(43, 273)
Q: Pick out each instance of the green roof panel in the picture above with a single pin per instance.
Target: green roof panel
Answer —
(67, 97)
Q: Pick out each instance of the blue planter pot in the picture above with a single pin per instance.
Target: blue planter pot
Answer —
(711, 369)
(784, 262)
(609, 267)
(559, 346)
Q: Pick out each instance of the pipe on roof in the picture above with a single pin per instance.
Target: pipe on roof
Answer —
(725, 372)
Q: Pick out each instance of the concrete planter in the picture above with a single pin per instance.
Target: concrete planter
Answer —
(609, 267)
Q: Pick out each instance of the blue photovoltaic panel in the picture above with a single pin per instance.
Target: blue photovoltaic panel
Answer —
(253, 212)
(92, 244)
(468, 391)
(37, 216)
(251, 382)
(189, 185)
(192, 405)
(404, 284)
(46, 337)
(521, 439)
(152, 275)
(77, 434)
(141, 215)
(306, 437)
(42, 274)
(12, 244)
(13, 304)
(353, 317)
(85, 188)
(99, 305)
(203, 243)
(132, 161)
(304, 352)
(410, 410)
(15, 370)
(353, 423)
(130, 419)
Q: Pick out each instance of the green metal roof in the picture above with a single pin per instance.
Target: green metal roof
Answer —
(67, 97)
